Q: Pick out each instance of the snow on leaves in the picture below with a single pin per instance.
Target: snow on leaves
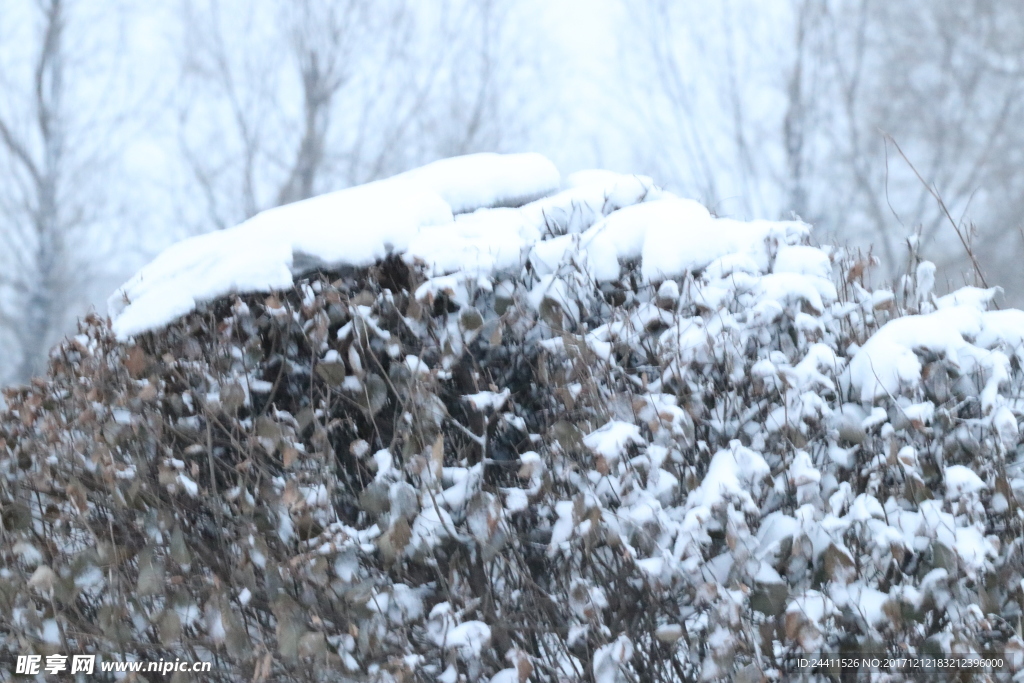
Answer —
(588, 434)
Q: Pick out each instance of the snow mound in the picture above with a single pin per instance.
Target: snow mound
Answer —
(968, 339)
(351, 227)
(476, 215)
(484, 181)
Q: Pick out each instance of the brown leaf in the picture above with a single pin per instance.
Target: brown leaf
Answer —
(392, 544)
(894, 610)
(148, 393)
(794, 621)
(839, 566)
(290, 496)
(137, 362)
(524, 668)
(42, 579)
(288, 456)
(401, 534)
(262, 671)
(170, 627)
(289, 633)
(856, 271)
(76, 493)
(414, 309)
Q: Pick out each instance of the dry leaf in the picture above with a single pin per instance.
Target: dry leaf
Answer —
(437, 456)
(76, 493)
(137, 362)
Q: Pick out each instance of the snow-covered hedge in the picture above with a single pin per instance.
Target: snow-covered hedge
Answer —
(601, 436)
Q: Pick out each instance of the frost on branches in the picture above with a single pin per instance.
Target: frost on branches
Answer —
(598, 436)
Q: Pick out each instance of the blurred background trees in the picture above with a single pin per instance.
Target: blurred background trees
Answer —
(69, 109)
(805, 107)
(124, 127)
(287, 99)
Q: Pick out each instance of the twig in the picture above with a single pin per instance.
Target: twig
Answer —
(942, 205)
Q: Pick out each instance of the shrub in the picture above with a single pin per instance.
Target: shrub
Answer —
(383, 476)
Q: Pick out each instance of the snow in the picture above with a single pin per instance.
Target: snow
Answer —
(669, 633)
(429, 529)
(788, 288)
(401, 604)
(674, 236)
(803, 260)
(975, 297)
(469, 638)
(488, 241)
(416, 365)
(50, 632)
(610, 659)
(516, 500)
(355, 227)
(383, 461)
(475, 215)
(733, 473)
(748, 427)
(888, 363)
(611, 440)
(563, 528)
(28, 553)
(623, 234)
(961, 481)
(865, 601)
(814, 606)
(920, 412)
(487, 400)
(802, 472)
(1005, 423)
(191, 488)
(487, 180)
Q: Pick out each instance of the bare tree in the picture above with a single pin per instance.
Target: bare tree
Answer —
(941, 78)
(706, 100)
(62, 128)
(289, 99)
(38, 276)
(35, 279)
(951, 112)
